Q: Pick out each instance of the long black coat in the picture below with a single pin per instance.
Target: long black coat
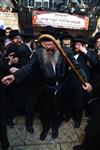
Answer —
(25, 95)
(78, 96)
(44, 75)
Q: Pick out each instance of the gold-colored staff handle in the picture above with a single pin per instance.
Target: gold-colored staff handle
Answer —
(62, 52)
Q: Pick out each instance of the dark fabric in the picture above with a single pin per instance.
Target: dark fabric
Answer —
(23, 54)
(92, 138)
(3, 128)
(25, 94)
(78, 96)
(95, 80)
(36, 65)
(12, 48)
(44, 73)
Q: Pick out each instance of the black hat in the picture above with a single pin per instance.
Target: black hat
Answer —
(2, 34)
(66, 35)
(81, 38)
(28, 32)
(14, 33)
(50, 30)
(97, 36)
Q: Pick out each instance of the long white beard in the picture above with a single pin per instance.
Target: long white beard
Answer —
(48, 58)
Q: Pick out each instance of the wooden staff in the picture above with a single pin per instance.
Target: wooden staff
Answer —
(62, 52)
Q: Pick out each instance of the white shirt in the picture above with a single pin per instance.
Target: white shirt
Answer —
(76, 56)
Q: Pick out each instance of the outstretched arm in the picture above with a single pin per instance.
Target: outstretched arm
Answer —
(23, 72)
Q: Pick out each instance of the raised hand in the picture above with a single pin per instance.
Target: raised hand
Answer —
(13, 59)
(83, 49)
(7, 80)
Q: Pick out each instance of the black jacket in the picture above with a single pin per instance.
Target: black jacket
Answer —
(78, 97)
(23, 54)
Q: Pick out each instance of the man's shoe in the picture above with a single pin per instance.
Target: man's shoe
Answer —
(30, 129)
(54, 133)
(43, 135)
(77, 124)
(78, 147)
(10, 123)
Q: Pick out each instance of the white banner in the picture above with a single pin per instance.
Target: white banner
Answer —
(60, 20)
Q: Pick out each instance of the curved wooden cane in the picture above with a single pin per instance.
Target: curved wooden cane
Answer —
(62, 52)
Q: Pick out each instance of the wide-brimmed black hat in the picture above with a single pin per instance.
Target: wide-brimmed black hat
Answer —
(81, 38)
(27, 31)
(14, 33)
(97, 36)
(51, 31)
(2, 34)
(66, 35)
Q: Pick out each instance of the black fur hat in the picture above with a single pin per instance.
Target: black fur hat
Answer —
(81, 38)
(50, 30)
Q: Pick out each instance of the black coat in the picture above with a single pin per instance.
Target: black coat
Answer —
(45, 76)
(45, 72)
(95, 78)
(25, 93)
(78, 96)
(12, 48)
(23, 54)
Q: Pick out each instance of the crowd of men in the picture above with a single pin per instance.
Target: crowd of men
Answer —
(36, 79)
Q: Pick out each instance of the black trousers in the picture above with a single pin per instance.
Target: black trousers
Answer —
(48, 109)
